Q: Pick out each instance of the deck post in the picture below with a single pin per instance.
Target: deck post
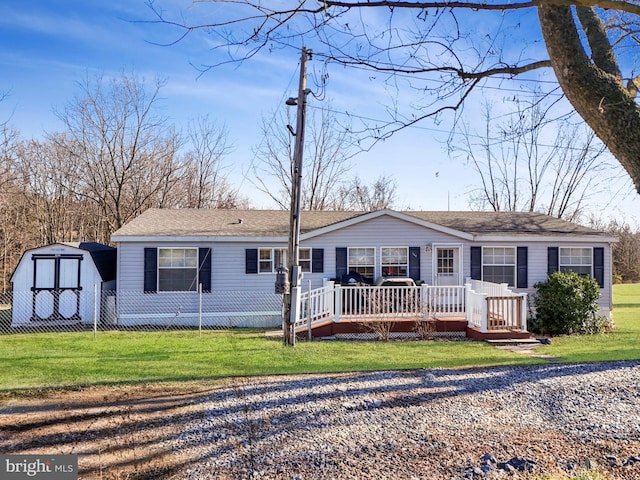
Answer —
(484, 317)
(468, 313)
(424, 302)
(337, 303)
(523, 314)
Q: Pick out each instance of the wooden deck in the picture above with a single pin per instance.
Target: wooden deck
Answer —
(396, 325)
(491, 312)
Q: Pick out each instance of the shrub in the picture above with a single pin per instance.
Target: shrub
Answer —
(567, 303)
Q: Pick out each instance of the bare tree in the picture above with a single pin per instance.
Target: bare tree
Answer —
(127, 153)
(326, 159)
(519, 172)
(48, 178)
(356, 195)
(625, 252)
(448, 49)
(15, 222)
(9, 141)
(204, 183)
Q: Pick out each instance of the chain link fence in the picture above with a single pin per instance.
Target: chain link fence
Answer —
(81, 310)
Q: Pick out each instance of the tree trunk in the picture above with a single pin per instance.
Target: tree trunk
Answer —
(600, 98)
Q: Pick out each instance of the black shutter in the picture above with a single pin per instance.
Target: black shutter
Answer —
(341, 262)
(476, 263)
(552, 260)
(251, 261)
(204, 261)
(598, 265)
(522, 268)
(317, 260)
(150, 270)
(414, 263)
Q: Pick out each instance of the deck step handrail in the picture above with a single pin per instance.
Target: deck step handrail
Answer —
(490, 288)
(316, 305)
(497, 312)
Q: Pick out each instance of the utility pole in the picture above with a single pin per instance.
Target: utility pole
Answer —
(291, 300)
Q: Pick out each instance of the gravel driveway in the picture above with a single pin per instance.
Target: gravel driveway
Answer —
(474, 423)
(432, 424)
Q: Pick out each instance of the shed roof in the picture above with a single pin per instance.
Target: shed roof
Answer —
(104, 258)
(175, 223)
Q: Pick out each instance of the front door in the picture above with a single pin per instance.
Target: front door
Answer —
(447, 265)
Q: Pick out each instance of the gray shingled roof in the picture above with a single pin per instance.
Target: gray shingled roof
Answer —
(275, 223)
(224, 223)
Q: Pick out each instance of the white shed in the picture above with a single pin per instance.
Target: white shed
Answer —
(54, 284)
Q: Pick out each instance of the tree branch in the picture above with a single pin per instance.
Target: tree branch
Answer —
(506, 70)
(633, 85)
(604, 4)
(601, 51)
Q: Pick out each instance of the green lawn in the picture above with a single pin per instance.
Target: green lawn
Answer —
(70, 359)
(36, 361)
(621, 344)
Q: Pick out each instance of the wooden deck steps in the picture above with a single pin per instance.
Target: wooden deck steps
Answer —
(505, 335)
(532, 342)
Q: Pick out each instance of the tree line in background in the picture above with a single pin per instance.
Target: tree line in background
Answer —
(117, 157)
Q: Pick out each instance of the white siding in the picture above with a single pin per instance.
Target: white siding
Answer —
(228, 258)
(379, 232)
(537, 267)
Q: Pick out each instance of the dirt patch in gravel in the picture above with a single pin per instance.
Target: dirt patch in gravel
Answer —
(118, 432)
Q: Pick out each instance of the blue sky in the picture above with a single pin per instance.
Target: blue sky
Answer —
(48, 45)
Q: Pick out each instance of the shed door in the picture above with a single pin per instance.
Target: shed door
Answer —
(56, 287)
(447, 265)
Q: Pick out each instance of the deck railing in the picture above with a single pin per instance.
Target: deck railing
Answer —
(444, 301)
(495, 307)
(491, 307)
(379, 301)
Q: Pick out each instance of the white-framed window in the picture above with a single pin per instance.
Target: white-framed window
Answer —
(362, 260)
(394, 261)
(445, 261)
(177, 269)
(269, 259)
(576, 259)
(499, 265)
(305, 259)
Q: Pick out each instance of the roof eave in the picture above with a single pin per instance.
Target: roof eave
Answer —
(546, 238)
(193, 239)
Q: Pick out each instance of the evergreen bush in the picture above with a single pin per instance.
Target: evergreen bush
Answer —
(567, 303)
